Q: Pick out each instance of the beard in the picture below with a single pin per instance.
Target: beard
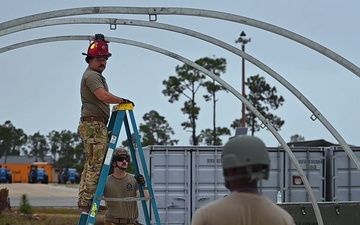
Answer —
(100, 69)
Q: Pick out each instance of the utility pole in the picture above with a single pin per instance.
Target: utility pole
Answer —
(243, 40)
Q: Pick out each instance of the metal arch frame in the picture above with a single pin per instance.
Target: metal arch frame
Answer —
(206, 72)
(155, 11)
(339, 59)
(205, 13)
(278, 77)
(211, 14)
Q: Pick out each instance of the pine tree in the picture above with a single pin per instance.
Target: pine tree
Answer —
(25, 206)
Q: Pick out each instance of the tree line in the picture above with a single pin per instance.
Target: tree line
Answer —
(187, 85)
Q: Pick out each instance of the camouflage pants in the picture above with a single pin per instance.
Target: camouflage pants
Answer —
(95, 137)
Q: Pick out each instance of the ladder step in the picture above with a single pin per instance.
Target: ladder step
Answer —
(128, 199)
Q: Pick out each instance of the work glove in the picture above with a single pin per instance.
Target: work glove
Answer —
(141, 180)
(128, 101)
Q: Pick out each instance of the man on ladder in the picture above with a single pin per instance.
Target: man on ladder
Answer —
(95, 113)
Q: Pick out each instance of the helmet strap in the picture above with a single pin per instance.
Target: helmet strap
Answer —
(257, 175)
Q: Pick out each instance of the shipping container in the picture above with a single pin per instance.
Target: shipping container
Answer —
(275, 183)
(185, 178)
(344, 179)
(313, 161)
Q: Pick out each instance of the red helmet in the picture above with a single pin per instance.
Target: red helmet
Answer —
(98, 48)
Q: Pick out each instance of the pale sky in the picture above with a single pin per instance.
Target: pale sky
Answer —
(40, 83)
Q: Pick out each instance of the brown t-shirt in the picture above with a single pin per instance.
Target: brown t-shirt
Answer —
(91, 105)
(242, 209)
(121, 188)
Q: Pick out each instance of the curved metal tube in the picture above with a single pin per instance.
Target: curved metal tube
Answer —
(206, 72)
(151, 11)
(279, 78)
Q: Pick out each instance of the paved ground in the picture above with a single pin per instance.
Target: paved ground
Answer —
(49, 195)
(43, 194)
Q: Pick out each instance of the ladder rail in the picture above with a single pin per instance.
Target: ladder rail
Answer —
(117, 119)
(143, 162)
(136, 167)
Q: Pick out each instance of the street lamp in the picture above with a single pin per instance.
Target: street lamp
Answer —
(243, 40)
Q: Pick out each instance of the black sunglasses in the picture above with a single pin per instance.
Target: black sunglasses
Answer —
(120, 159)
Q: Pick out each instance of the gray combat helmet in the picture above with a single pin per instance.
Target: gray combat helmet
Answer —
(246, 151)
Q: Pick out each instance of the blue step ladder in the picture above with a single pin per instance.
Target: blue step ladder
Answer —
(118, 117)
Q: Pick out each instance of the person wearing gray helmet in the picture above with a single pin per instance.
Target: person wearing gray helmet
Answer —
(245, 161)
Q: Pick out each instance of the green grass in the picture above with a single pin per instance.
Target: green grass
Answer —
(48, 216)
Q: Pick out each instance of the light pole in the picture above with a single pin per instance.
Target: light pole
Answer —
(243, 40)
